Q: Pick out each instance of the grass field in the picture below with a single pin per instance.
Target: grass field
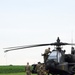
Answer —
(16, 74)
(13, 70)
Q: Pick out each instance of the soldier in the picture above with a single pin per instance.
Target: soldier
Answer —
(28, 69)
(47, 51)
(38, 68)
(42, 69)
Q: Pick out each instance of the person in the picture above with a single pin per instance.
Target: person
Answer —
(28, 69)
(45, 55)
(47, 51)
(42, 69)
(72, 50)
(38, 68)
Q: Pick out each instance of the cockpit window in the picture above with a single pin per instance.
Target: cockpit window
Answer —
(55, 55)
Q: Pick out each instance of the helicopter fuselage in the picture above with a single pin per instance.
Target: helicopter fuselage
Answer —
(58, 62)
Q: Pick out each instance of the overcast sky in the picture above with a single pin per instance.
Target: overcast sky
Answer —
(26, 22)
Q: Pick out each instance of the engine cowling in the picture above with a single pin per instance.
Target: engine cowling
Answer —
(70, 58)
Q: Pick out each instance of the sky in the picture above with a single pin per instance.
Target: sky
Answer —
(28, 22)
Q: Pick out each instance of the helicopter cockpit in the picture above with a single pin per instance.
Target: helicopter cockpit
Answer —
(55, 55)
(54, 58)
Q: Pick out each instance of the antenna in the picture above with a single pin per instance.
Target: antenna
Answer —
(5, 57)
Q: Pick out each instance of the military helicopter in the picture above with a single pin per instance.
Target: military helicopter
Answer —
(57, 62)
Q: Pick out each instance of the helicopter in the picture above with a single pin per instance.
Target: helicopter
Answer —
(57, 61)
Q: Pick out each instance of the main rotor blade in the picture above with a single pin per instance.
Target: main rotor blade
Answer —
(23, 47)
(37, 45)
(61, 43)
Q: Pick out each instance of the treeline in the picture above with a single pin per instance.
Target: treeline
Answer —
(12, 69)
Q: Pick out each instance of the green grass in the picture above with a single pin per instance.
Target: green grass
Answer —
(14, 74)
(12, 69)
(23, 73)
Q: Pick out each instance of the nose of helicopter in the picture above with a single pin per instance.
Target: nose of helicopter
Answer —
(50, 64)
